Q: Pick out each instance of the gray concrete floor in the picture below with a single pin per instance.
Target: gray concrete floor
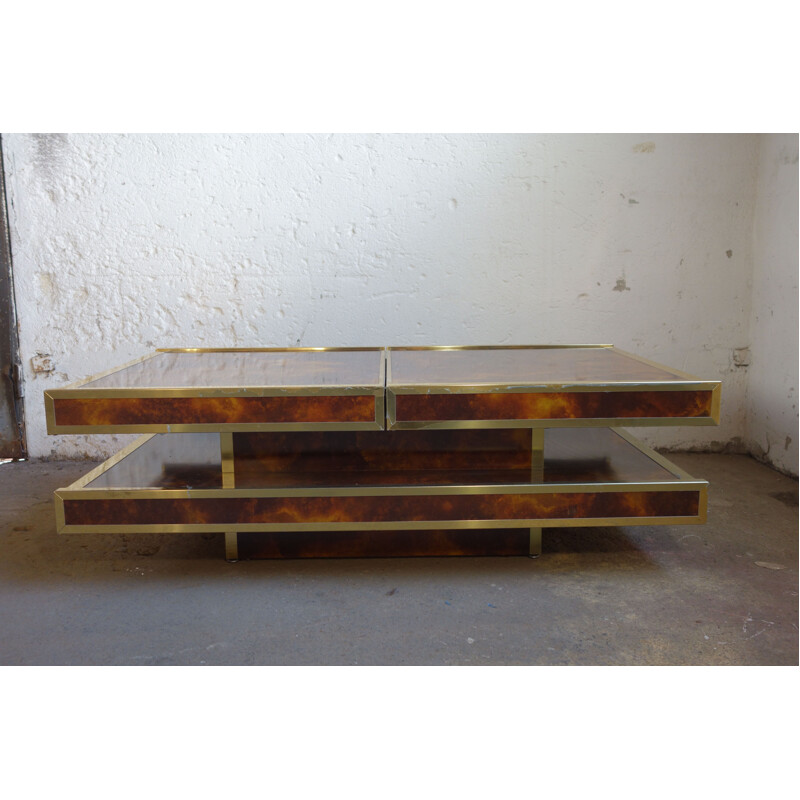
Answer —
(725, 593)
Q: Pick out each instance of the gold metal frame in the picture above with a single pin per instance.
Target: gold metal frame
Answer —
(385, 394)
(683, 482)
(73, 391)
(683, 382)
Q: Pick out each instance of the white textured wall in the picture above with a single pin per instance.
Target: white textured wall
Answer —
(126, 243)
(773, 383)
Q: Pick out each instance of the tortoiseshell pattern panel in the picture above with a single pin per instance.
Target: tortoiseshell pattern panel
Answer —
(552, 405)
(372, 508)
(213, 410)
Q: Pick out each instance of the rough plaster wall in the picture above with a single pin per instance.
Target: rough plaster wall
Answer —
(773, 381)
(127, 243)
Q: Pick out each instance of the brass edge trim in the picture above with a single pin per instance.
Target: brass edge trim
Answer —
(218, 427)
(661, 460)
(107, 393)
(49, 413)
(266, 349)
(321, 527)
(404, 490)
(61, 522)
(107, 465)
(391, 409)
(497, 347)
(547, 388)
(716, 396)
(703, 505)
(380, 409)
(98, 375)
(565, 422)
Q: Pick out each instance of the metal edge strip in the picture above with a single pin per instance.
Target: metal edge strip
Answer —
(221, 427)
(547, 388)
(568, 422)
(332, 527)
(267, 349)
(405, 490)
(497, 347)
(108, 393)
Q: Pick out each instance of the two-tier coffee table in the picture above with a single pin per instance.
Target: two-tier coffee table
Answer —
(324, 452)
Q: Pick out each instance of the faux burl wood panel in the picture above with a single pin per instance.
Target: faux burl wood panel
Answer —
(379, 451)
(380, 509)
(384, 544)
(213, 410)
(552, 405)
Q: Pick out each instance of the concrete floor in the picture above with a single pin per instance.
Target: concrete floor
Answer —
(724, 593)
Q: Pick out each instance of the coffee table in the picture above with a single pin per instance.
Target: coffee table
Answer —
(396, 451)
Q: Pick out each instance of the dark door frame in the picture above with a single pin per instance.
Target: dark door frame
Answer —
(12, 429)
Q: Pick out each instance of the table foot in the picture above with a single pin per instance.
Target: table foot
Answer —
(231, 546)
(535, 546)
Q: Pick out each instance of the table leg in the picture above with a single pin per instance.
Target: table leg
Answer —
(228, 482)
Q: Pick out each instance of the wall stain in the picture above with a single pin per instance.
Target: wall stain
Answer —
(621, 286)
(729, 253)
(644, 147)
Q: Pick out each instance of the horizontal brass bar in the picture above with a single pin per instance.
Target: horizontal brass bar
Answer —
(215, 391)
(269, 349)
(375, 526)
(546, 388)
(222, 427)
(391, 348)
(394, 490)
(586, 422)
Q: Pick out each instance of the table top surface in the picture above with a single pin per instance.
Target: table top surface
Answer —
(249, 368)
(434, 367)
(522, 366)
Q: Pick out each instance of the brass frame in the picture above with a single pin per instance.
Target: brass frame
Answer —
(683, 482)
(683, 382)
(73, 391)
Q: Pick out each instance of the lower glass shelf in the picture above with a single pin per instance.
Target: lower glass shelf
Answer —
(477, 481)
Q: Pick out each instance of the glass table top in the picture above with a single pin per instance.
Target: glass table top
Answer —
(520, 366)
(248, 368)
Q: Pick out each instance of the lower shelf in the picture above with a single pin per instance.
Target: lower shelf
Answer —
(474, 492)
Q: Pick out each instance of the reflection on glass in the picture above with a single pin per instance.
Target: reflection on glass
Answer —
(168, 461)
(518, 366)
(181, 461)
(301, 368)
